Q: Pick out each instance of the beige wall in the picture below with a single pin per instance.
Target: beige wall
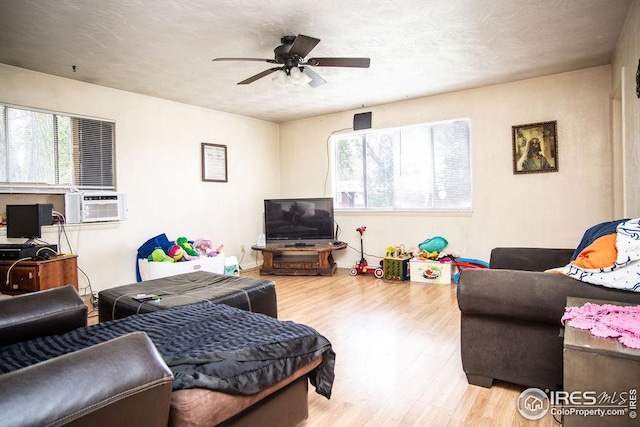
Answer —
(159, 167)
(546, 209)
(623, 71)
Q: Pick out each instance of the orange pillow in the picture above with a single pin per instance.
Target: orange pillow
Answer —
(599, 254)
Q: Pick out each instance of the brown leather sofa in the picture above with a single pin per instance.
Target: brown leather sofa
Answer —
(122, 382)
(510, 316)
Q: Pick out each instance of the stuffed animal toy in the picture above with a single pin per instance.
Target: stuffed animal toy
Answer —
(205, 247)
(158, 255)
(176, 252)
(202, 246)
(187, 247)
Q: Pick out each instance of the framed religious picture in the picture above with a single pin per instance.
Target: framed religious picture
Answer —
(214, 162)
(535, 147)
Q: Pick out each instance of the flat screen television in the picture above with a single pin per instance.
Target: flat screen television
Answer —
(303, 220)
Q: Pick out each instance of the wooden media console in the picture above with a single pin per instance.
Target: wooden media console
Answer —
(287, 260)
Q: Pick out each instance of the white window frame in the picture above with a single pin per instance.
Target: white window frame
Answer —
(463, 202)
(90, 150)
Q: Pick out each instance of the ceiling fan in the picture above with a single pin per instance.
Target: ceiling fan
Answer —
(291, 55)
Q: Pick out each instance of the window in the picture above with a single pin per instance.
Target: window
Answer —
(53, 153)
(421, 167)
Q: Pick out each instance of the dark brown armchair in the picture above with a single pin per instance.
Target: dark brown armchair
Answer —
(121, 382)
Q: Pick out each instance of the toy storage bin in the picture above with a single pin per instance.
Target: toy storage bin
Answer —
(426, 271)
(396, 268)
(155, 270)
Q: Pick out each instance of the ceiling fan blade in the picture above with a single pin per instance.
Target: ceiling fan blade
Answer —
(259, 76)
(271, 61)
(340, 62)
(302, 45)
(316, 80)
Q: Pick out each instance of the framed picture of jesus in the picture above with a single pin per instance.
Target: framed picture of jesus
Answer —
(535, 147)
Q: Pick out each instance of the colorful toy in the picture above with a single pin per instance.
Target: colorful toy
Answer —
(397, 252)
(205, 247)
(463, 263)
(187, 247)
(362, 267)
(434, 244)
(158, 255)
(427, 256)
(395, 264)
(176, 252)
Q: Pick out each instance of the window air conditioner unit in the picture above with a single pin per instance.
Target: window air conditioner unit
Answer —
(95, 207)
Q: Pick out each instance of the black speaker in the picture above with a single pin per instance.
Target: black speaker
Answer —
(362, 121)
(46, 213)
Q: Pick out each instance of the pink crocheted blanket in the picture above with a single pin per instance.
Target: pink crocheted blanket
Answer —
(607, 321)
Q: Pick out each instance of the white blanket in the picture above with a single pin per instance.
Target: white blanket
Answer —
(625, 273)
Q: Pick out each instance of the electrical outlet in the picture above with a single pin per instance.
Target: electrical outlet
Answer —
(242, 248)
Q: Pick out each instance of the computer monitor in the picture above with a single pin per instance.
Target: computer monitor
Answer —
(25, 221)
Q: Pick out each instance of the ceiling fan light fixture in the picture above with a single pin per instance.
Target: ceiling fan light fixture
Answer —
(295, 77)
(280, 78)
(298, 77)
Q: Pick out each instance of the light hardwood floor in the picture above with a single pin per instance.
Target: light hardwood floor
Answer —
(397, 350)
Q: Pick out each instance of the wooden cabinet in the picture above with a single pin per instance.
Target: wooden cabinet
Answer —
(30, 276)
(285, 260)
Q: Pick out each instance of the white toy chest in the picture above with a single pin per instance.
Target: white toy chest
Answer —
(155, 270)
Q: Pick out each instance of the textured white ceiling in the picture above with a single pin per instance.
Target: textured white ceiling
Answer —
(164, 48)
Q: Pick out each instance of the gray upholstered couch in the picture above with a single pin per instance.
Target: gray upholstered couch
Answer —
(510, 326)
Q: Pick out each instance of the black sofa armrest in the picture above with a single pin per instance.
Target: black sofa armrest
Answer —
(527, 295)
(529, 259)
(122, 382)
(51, 312)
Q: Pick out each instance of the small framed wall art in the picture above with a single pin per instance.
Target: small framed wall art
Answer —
(214, 162)
(535, 147)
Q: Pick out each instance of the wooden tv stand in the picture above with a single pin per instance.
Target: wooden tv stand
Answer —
(279, 259)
